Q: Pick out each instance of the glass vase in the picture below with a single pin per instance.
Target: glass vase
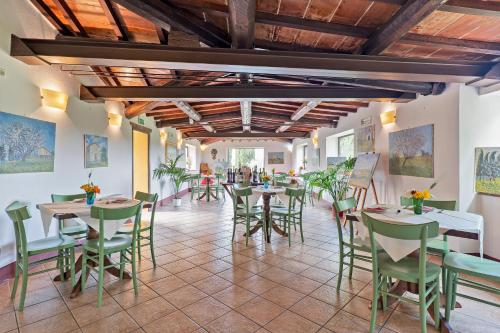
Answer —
(418, 204)
(90, 198)
(266, 185)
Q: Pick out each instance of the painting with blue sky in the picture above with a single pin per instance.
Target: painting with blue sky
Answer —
(26, 144)
(96, 151)
(411, 152)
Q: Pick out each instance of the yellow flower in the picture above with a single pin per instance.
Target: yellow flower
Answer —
(427, 194)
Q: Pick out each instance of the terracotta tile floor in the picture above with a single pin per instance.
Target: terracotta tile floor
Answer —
(205, 283)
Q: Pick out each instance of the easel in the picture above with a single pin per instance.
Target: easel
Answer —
(361, 191)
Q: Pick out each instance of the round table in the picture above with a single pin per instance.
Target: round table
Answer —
(208, 180)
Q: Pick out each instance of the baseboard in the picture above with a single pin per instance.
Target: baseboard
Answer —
(169, 199)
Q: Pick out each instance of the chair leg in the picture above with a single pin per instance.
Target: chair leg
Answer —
(16, 281)
(122, 264)
(61, 260)
(247, 224)
(443, 273)
(234, 228)
(24, 284)
(288, 220)
(449, 294)
(422, 307)
(454, 293)
(373, 318)
(100, 283)
(72, 265)
(301, 232)
(437, 305)
(341, 267)
(139, 244)
(351, 263)
(84, 269)
(134, 273)
(385, 283)
(151, 246)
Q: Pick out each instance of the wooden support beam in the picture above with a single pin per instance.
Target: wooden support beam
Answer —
(51, 17)
(461, 45)
(238, 93)
(473, 7)
(127, 54)
(206, 119)
(408, 16)
(242, 23)
(188, 110)
(115, 19)
(139, 108)
(246, 114)
(247, 135)
(165, 16)
(70, 16)
(162, 35)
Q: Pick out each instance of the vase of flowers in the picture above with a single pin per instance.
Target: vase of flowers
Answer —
(418, 198)
(291, 172)
(90, 190)
(266, 180)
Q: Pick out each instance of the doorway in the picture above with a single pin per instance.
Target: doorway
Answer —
(140, 159)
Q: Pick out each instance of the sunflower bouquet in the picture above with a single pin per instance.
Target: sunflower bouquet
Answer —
(418, 198)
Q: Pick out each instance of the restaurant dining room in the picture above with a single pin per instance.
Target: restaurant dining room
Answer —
(241, 166)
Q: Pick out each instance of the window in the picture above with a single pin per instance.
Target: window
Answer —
(346, 146)
(302, 156)
(249, 157)
(190, 154)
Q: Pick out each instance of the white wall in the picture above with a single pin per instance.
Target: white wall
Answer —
(479, 127)
(19, 94)
(269, 146)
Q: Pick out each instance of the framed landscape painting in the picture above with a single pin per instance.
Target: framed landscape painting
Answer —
(276, 157)
(364, 168)
(365, 139)
(487, 170)
(96, 151)
(26, 144)
(332, 162)
(411, 152)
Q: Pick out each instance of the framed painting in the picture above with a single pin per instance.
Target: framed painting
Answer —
(276, 157)
(170, 151)
(411, 152)
(26, 144)
(487, 170)
(332, 162)
(96, 151)
(365, 139)
(364, 168)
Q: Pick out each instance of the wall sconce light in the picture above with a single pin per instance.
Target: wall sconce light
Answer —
(388, 117)
(203, 147)
(163, 136)
(54, 99)
(114, 119)
(315, 139)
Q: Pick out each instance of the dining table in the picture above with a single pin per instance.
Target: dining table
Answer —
(451, 223)
(208, 180)
(78, 209)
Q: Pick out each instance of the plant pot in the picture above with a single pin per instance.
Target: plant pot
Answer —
(177, 202)
(90, 196)
(418, 204)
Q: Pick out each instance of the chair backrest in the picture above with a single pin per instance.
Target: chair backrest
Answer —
(280, 177)
(67, 197)
(113, 214)
(294, 195)
(241, 193)
(18, 212)
(344, 206)
(405, 201)
(285, 184)
(402, 231)
(150, 198)
(195, 180)
(441, 204)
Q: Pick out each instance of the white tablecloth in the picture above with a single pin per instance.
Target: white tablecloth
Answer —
(257, 192)
(448, 220)
(82, 211)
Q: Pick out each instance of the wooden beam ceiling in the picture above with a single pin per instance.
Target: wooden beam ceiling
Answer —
(252, 135)
(127, 54)
(242, 23)
(408, 16)
(238, 93)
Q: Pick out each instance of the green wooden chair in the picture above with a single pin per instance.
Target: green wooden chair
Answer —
(291, 214)
(408, 269)
(460, 266)
(279, 178)
(146, 228)
(195, 186)
(96, 249)
(438, 247)
(243, 212)
(353, 244)
(64, 246)
(78, 230)
(217, 187)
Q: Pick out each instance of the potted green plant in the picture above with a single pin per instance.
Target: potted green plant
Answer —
(176, 175)
(334, 180)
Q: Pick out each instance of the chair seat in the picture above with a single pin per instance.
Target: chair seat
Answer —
(73, 230)
(127, 228)
(406, 269)
(117, 243)
(252, 211)
(474, 266)
(284, 211)
(438, 246)
(50, 244)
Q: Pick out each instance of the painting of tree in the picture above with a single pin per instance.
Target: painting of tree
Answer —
(411, 152)
(26, 145)
(487, 169)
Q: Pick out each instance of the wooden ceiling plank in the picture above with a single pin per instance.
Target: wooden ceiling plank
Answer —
(51, 17)
(165, 16)
(409, 15)
(250, 135)
(472, 7)
(71, 17)
(115, 19)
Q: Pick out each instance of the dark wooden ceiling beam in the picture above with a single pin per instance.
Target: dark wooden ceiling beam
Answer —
(52, 17)
(234, 93)
(115, 19)
(461, 45)
(249, 135)
(242, 23)
(165, 16)
(71, 17)
(472, 7)
(409, 15)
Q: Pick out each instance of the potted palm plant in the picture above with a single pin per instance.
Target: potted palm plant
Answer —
(334, 180)
(176, 175)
